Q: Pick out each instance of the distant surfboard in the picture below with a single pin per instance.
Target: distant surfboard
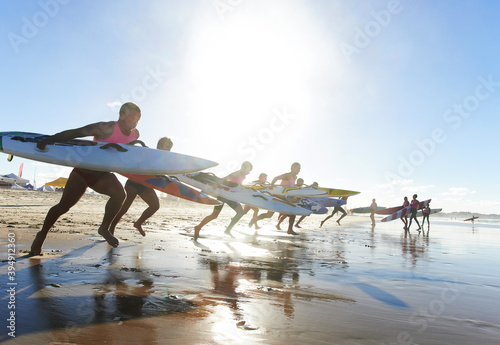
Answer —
(101, 156)
(470, 219)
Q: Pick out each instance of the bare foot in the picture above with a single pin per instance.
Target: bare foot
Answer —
(197, 232)
(139, 227)
(112, 240)
(278, 227)
(321, 224)
(291, 232)
(36, 246)
(257, 227)
(298, 226)
(338, 222)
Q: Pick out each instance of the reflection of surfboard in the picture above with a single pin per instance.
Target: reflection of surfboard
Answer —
(208, 183)
(405, 211)
(328, 202)
(171, 186)
(366, 209)
(470, 219)
(302, 191)
(101, 156)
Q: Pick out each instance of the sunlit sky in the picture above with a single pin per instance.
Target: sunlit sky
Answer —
(389, 98)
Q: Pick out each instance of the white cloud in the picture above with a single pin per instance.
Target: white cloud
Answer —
(113, 104)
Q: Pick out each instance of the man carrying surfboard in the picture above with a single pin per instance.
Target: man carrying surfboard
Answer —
(287, 179)
(235, 177)
(146, 193)
(261, 181)
(425, 215)
(122, 131)
(335, 210)
(414, 209)
(404, 219)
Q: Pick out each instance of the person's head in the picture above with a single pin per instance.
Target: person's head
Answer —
(315, 184)
(246, 167)
(406, 198)
(130, 114)
(165, 144)
(300, 182)
(415, 196)
(373, 200)
(295, 168)
(263, 178)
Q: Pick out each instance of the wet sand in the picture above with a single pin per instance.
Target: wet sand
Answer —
(349, 284)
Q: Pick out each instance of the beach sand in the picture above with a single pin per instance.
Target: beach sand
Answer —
(349, 284)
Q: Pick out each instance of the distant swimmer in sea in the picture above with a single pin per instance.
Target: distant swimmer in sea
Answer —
(404, 219)
(261, 181)
(373, 209)
(122, 131)
(335, 210)
(414, 209)
(146, 193)
(425, 215)
(287, 179)
(235, 177)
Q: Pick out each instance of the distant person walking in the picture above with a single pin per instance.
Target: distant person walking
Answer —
(373, 208)
(414, 209)
(404, 218)
(425, 215)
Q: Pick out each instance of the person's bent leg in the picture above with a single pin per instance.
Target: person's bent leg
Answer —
(207, 220)
(239, 213)
(291, 221)
(110, 186)
(131, 195)
(150, 197)
(73, 191)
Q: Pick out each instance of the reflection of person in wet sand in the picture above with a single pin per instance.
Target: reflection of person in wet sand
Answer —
(122, 131)
(235, 177)
(146, 193)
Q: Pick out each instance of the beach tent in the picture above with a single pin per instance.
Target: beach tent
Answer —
(19, 180)
(60, 182)
(6, 179)
(46, 188)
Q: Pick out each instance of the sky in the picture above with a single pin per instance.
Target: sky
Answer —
(389, 98)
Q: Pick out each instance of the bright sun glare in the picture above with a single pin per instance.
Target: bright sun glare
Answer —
(247, 65)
